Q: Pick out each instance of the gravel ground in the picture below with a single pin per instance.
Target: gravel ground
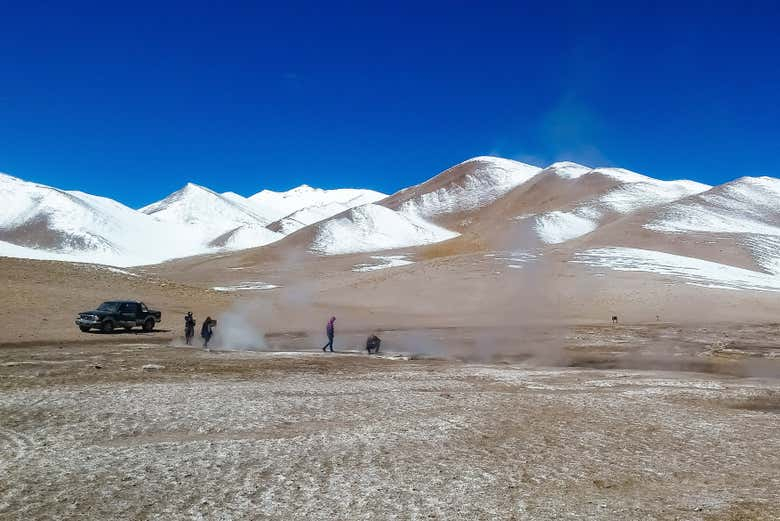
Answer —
(87, 433)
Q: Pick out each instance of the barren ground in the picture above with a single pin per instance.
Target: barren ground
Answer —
(86, 433)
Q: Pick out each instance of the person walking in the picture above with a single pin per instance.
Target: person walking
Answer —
(330, 331)
(206, 331)
(189, 328)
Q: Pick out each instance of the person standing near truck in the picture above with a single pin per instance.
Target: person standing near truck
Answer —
(189, 328)
(330, 331)
(206, 331)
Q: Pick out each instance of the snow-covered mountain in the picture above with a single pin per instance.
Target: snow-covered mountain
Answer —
(465, 187)
(622, 192)
(42, 222)
(218, 220)
(496, 202)
(490, 197)
(37, 221)
(277, 205)
(306, 216)
(372, 227)
(745, 205)
(194, 204)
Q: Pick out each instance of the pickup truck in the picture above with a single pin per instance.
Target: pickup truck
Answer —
(119, 313)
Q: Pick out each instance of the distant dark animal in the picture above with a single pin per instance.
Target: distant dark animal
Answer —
(614, 319)
(372, 344)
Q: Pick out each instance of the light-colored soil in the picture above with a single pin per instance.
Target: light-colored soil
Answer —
(510, 396)
(87, 433)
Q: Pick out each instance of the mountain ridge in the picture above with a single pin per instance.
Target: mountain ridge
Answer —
(484, 197)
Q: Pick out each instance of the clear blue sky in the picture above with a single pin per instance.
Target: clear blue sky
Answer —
(133, 100)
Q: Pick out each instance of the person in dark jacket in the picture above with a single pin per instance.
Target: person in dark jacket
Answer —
(206, 331)
(330, 331)
(189, 328)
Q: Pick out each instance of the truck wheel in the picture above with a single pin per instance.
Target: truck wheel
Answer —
(149, 324)
(107, 327)
(84, 329)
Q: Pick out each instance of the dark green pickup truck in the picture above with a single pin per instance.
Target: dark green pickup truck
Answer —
(119, 313)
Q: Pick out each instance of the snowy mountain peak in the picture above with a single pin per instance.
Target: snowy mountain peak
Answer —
(762, 182)
(8, 178)
(198, 205)
(567, 169)
(471, 184)
(188, 192)
(748, 205)
(277, 205)
(498, 162)
(373, 227)
(38, 221)
(302, 189)
(570, 170)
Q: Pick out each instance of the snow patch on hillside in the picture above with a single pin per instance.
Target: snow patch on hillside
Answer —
(557, 227)
(41, 222)
(630, 197)
(247, 286)
(245, 237)
(310, 215)
(197, 205)
(693, 271)
(765, 250)
(634, 192)
(491, 178)
(746, 205)
(385, 261)
(47, 223)
(277, 205)
(373, 228)
(567, 169)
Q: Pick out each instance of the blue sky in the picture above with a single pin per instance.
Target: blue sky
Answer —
(132, 101)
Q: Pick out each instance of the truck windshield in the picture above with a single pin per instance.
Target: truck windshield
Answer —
(108, 306)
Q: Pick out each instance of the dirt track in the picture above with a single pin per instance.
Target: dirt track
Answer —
(237, 435)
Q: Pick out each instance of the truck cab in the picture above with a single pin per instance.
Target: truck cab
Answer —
(119, 313)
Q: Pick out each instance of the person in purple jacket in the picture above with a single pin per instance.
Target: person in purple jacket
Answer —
(330, 332)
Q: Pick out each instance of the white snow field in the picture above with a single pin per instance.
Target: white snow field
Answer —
(247, 286)
(276, 205)
(247, 236)
(491, 178)
(384, 262)
(42, 222)
(693, 271)
(74, 226)
(374, 228)
(198, 205)
(219, 221)
(557, 227)
(765, 249)
(745, 205)
(634, 192)
(310, 215)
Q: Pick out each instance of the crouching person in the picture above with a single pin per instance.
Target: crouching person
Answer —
(372, 344)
